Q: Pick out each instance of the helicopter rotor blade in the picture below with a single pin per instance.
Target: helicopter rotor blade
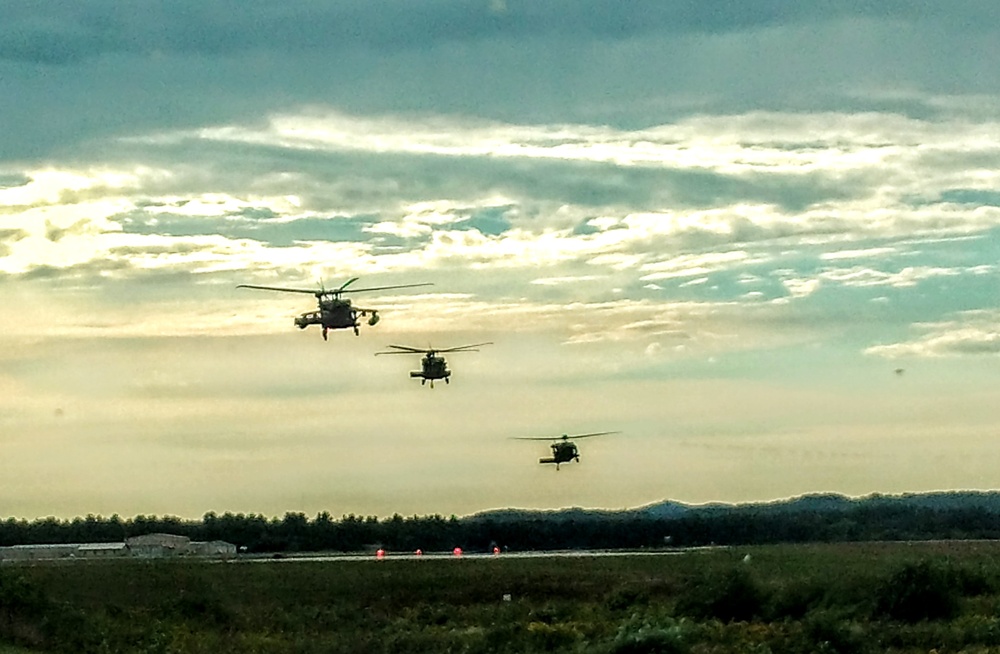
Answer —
(403, 349)
(380, 288)
(564, 437)
(281, 289)
(465, 348)
(335, 292)
(346, 284)
(406, 349)
(596, 433)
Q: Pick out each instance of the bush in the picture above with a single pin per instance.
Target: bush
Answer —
(915, 592)
(23, 609)
(971, 583)
(627, 598)
(732, 597)
(635, 637)
(796, 599)
(830, 632)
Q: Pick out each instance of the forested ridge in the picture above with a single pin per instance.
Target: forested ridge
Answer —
(820, 518)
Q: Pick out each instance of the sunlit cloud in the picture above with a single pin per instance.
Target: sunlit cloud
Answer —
(798, 288)
(692, 265)
(779, 143)
(909, 276)
(856, 254)
(559, 281)
(973, 333)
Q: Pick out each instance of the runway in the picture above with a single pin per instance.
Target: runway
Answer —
(387, 556)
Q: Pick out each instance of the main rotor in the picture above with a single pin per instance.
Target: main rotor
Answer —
(564, 437)
(430, 351)
(332, 293)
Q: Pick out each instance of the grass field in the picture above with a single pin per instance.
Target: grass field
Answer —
(873, 597)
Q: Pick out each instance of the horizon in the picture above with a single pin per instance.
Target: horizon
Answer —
(514, 509)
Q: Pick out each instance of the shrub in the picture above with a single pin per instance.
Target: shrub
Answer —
(830, 632)
(23, 609)
(627, 598)
(636, 637)
(971, 582)
(732, 597)
(915, 592)
(794, 600)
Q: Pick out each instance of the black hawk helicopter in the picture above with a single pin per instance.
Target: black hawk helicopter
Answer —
(432, 366)
(564, 449)
(334, 313)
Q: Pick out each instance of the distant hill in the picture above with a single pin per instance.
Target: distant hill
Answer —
(556, 515)
(820, 517)
(818, 503)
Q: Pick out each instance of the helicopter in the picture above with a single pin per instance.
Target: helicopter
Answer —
(334, 313)
(432, 366)
(564, 449)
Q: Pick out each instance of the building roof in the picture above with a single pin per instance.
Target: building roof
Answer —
(97, 547)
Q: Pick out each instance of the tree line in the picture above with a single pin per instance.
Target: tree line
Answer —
(296, 532)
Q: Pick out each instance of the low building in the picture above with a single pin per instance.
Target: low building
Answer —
(148, 546)
(41, 552)
(103, 550)
(212, 548)
(154, 546)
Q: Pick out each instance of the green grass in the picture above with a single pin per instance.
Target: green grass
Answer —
(808, 598)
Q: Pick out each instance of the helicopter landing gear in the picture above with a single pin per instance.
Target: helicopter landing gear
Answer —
(356, 329)
(324, 332)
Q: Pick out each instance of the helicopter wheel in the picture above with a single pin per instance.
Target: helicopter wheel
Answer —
(324, 333)
(447, 381)
(356, 330)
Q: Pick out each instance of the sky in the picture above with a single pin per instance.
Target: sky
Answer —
(760, 240)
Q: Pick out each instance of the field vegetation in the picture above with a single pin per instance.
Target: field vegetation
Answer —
(857, 597)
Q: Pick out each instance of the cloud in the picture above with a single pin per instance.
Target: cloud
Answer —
(320, 194)
(93, 28)
(857, 254)
(10, 235)
(692, 265)
(973, 333)
(550, 62)
(799, 288)
(556, 281)
(909, 276)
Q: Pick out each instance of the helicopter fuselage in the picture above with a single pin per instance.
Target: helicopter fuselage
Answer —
(431, 367)
(562, 452)
(334, 314)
